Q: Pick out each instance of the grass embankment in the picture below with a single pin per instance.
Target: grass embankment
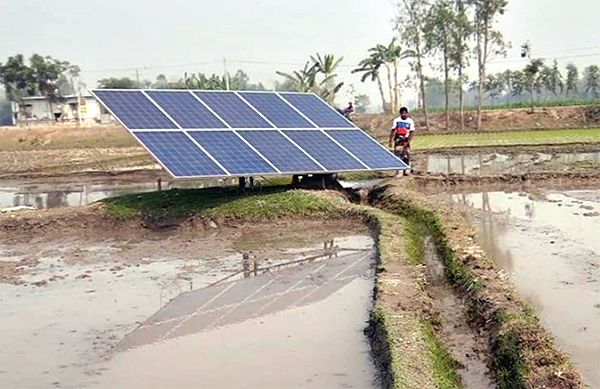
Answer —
(522, 352)
(512, 138)
(221, 203)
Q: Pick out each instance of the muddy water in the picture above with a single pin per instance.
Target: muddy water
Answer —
(43, 196)
(76, 318)
(549, 245)
(482, 164)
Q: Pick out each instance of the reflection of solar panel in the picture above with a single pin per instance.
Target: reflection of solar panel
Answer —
(225, 133)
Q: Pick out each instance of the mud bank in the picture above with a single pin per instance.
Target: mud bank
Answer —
(521, 353)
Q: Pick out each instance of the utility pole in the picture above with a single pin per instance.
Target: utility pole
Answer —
(226, 73)
(137, 77)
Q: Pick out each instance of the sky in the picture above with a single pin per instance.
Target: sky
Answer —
(114, 38)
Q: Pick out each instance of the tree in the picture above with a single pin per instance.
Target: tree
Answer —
(489, 42)
(369, 67)
(529, 80)
(362, 103)
(117, 83)
(551, 79)
(572, 79)
(410, 22)
(494, 86)
(302, 80)
(459, 50)
(591, 80)
(18, 79)
(327, 65)
(438, 38)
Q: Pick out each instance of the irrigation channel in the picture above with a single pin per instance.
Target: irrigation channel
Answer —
(549, 245)
(251, 308)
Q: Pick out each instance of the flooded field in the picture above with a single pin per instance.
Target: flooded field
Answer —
(240, 308)
(549, 247)
(57, 195)
(494, 163)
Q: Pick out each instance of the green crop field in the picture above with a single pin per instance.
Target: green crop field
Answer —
(534, 137)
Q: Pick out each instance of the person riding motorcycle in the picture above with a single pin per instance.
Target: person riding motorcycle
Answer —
(401, 135)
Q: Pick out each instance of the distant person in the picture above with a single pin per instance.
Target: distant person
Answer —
(349, 110)
(403, 130)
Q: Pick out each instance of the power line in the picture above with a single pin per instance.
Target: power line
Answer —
(549, 57)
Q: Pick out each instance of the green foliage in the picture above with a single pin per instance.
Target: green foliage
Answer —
(362, 103)
(591, 77)
(572, 79)
(118, 83)
(444, 366)
(414, 242)
(317, 76)
(268, 203)
(507, 362)
(43, 76)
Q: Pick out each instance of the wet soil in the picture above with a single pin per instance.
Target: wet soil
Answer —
(73, 300)
(469, 350)
(547, 243)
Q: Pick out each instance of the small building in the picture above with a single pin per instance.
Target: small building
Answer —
(68, 109)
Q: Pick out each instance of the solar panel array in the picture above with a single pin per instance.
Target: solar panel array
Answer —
(225, 133)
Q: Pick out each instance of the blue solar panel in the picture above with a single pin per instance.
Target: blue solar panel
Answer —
(366, 149)
(179, 154)
(134, 109)
(324, 150)
(231, 152)
(233, 110)
(276, 110)
(185, 109)
(317, 111)
(280, 151)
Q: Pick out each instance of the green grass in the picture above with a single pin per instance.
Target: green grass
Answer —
(414, 242)
(266, 203)
(531, 137)
(444, 366)
(507, 362)
(562, 102)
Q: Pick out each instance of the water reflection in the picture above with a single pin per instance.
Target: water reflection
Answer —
(477, 164)
(44, 196)
(549, 246)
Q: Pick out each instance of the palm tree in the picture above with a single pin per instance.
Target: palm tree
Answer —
(303, 80)
(326, 65)
(369, 67)
(390, 56)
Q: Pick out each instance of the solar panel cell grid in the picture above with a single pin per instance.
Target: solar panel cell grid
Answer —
(185, 109)
(232, 152)
(179, 154)
(316, 110)
(233, 110)
(324, 150)
(135, 110)
(280, 151)
(366, 149)
(274, 108)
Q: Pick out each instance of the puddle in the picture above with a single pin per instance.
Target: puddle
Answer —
(483, 164)
(453, 329)
(549, 246)
(77, 328)
(43, 196)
